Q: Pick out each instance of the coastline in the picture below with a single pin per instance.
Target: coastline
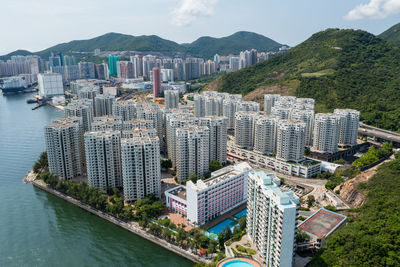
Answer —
(131, 227)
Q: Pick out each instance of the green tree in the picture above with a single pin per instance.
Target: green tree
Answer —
(215, 165)
(166, 164)
(193, 177)
(310, 201)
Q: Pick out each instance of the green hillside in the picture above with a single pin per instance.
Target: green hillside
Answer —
(339, 68)
(204, 47)
(372, 238)
(207, 47)
(392, 34)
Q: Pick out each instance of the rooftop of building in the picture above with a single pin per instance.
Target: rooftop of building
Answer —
(179, 191)
(220, 176)
(322, 223)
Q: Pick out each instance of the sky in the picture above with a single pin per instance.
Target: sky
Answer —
(35, 25)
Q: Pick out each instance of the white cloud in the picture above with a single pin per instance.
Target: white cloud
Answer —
(189, 10)
(375, 9)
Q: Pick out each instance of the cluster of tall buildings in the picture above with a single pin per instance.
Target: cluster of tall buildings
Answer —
(21, 65)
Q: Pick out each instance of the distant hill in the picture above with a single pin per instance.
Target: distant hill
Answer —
(208, 46)
(204, 47)
(392, 34)
(339, 68)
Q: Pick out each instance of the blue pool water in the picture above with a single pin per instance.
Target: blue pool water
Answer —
(241, 213)
(237, 263)
(222, 225)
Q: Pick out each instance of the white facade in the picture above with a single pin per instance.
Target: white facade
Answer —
(265, 134)
(192, 151)
(248, 106)
(81, 108)
(306, 116)
(218, 137)
(50, 84)
(290, 140)
(326, 133)
(269, 101)
(63, 145)
(141, 167)
(271, 219)
(229, 110)
(125, 109)
(104, 104)
(207, 199)
(349, 120)
(171, 99)
(103, 159)
(107, 123)
(244, 129)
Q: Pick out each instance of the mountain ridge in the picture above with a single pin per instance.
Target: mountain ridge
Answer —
(339, 68)
(123, 42)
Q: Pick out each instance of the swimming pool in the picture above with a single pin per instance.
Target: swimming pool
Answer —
(241, 213)
(216, 229)
(237, 263)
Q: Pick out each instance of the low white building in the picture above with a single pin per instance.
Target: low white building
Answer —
(207, 199)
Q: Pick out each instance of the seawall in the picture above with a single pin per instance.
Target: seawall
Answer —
(129, 227)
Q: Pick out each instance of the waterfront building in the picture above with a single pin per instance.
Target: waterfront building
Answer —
(141, 166)
(103, 159)
(290, 140)
(104, 104)
(349, 120)
(269, 102)
(244, 129)
(326, 133)
(208, 199)
(271, 219)
(192, 151)
(265, 134)
(171, 99)
(81, 108)
(50, 84)
(218, 137)
(125, 109)
(63, 145)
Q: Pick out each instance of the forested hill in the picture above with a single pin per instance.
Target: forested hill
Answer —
(339, 68)
(372, 237)
(204, 47)
(392, 34)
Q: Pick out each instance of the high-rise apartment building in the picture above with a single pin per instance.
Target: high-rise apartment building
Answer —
(171, 99)
(112, 65)
(244, 128)
(87, 70)
(218, 137)
(265, 134)
(248, 106)
(271, 219)
(269, 102)
(229, 110)
(103, 159)
(192, 151)
(125, 109)
(63, 146)
(290, 140)
(141, 166)
(283, 113)
(81, 108)
(104, 104)
(306, 116)
(125, 70)
(199, 105)
(326, 133)
(107, 123)
(213, 105)
(349, 120)
(156, 82)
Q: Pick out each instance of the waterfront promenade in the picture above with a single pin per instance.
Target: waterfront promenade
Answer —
(132, 227)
